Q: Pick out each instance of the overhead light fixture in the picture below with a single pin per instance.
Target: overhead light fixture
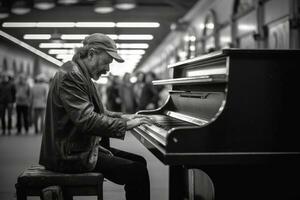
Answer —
(61, 51)
(64, 56)
(20, 7)
(95, 24)
(135, 37)
(19, 24)
(55, 24)
(4, 10)
(60, 45)
(67, 2)
(44, 4)
(37, 36)
(82, 36)
(132, 52)
(103, 6)
(132, 45)
(81, 24)
(137, 24)
(125, 4)
(73, 36)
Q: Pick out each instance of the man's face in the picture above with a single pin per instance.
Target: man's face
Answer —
(99, 64)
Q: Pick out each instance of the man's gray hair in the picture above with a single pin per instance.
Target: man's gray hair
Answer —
(82, 52)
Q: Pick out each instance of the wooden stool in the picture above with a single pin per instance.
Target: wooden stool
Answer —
(33, 180)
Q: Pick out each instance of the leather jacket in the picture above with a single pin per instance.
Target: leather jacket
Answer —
(75, 121)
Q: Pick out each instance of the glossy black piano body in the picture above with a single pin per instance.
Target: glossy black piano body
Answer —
(239, 109)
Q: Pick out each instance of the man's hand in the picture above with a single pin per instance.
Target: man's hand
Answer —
(134, 116)
(138, 121)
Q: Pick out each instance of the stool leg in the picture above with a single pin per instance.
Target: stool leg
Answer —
(100, 191)
(21, 192)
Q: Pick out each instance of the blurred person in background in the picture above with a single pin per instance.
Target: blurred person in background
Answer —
(38, 101)
(112, 93)
(127, 95)
(149, 95)
(7, 100)
(138, 88)
(77, 122)
(23, 98)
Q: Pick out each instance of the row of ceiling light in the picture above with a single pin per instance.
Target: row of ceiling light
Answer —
(21, 7)
(57, 36)
(80, 24)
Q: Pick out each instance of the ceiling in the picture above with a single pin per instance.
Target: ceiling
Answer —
(165, 12)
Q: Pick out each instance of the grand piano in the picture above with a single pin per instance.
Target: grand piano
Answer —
(229, 128)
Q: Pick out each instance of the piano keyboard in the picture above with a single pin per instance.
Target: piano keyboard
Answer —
(166, 122)
(159, 130)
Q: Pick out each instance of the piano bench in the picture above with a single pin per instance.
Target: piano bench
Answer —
(33, 180)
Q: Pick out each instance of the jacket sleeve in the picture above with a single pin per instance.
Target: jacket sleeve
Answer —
(113, 114)
(74, 94)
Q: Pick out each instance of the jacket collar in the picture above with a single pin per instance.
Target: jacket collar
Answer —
(91, 85)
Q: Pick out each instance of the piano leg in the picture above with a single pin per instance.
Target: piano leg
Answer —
(177, 182)
(250, 182)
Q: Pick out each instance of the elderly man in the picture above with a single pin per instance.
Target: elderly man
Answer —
(76, 121)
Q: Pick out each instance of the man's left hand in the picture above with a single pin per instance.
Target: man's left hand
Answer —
(133, 116)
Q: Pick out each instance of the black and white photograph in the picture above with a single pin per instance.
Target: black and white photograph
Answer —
(149, 99)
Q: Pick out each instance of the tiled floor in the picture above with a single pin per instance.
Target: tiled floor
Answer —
(20, 151)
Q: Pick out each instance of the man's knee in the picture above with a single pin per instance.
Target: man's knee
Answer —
(140, 170)
(142, 160)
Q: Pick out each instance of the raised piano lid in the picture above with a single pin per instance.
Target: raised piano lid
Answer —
(199, 87)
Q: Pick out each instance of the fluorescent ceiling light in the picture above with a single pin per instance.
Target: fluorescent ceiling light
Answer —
(61, 56)
(137, 24)
(131, 56)
(81, 24)
(135, 37)
(95, 24)
(61, 51)
(19, 24)
(64, 57)
(55, 24)
(82, 36)
(132, 45)
(73, 36)
(112, 36)
(60, 45)
(37, 36)
(76, 45)
(132, 52)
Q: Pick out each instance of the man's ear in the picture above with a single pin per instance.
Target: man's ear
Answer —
(91, 53)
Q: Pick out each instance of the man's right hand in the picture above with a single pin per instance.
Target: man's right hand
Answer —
(138, 121)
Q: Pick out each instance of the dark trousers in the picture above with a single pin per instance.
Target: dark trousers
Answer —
(22, 115)
(127, 169)
(38, 114)
(9, 108)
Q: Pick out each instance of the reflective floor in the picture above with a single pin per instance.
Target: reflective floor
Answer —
(20, 151)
